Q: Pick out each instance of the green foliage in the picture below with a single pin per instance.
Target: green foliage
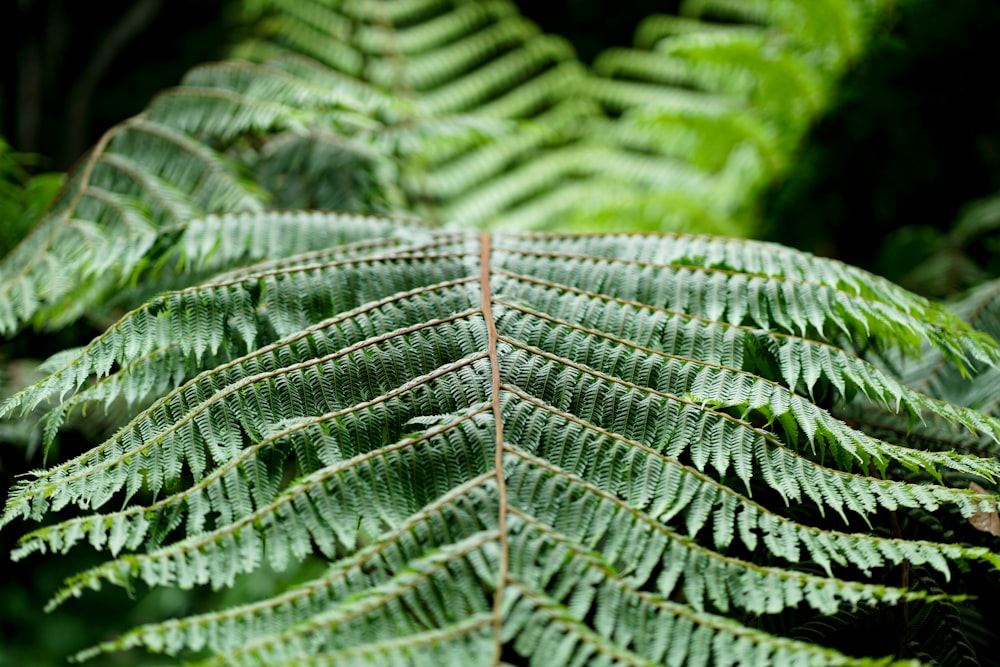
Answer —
(349, 404)
(456, 112)
(504, 447)
(893, 152)
(23, 197)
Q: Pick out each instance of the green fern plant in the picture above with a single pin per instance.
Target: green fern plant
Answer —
(23, 197)
(505, 447)
(457, 112)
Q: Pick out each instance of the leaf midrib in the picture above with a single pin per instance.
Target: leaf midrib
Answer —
(491, 328)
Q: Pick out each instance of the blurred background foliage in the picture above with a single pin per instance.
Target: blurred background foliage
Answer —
(913, 137)
(899, 178)
(24, 194)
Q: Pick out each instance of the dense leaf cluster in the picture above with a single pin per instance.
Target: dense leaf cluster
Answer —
(505, 446)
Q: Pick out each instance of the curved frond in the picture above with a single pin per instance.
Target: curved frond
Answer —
(458, 112)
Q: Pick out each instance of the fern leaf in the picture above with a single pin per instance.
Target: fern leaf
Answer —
(452, 111)
(565, 438)
(607, 449)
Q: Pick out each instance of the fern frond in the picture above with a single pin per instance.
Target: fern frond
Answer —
(573, 449)
(931, 374)
(482, 59)
(719, 274)
(395, 109)
(980, 308)
(828, 29)
(563, 429)
(464, 510)
(770, 66)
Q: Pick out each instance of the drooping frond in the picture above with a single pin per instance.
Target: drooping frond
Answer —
(454, 111)
(980, 307)
(682, 131)
(161, 170)
(933, 375)
(531, 444)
